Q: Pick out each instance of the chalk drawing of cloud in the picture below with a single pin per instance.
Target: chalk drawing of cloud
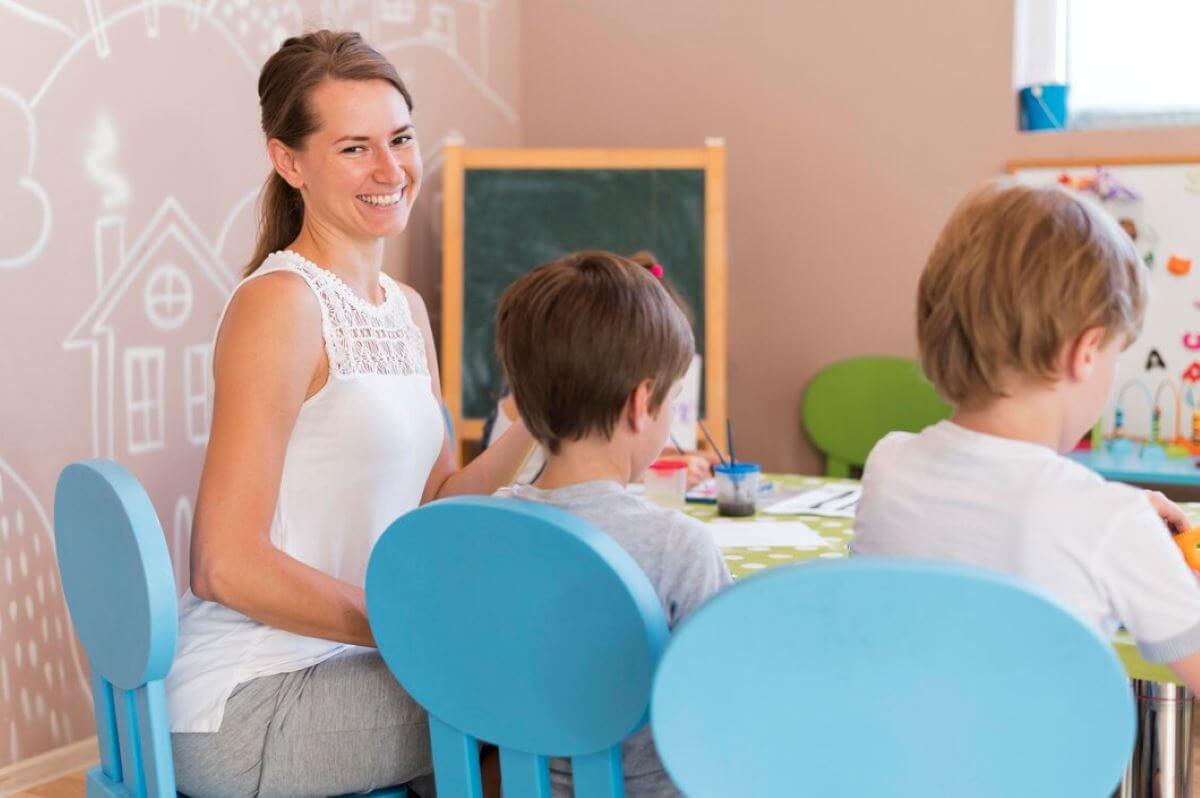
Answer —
(25, 214)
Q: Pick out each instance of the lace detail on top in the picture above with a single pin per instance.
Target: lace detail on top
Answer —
(360, 338)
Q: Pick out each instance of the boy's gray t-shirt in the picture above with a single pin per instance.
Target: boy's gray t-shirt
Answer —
(683, 564)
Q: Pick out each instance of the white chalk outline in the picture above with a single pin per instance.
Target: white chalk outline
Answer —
(7, 471)
(38, 18)
(407, 12)
(232, 216)
(96, 20)
(29, 184)
(101, 25)
(99, 163)
(479, 78)
(145, 368)
(153, 25)
(94, 333)
(489, 94)
(442, 27)
(160, 289)
(194, 395)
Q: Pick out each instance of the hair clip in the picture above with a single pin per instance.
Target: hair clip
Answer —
(657, 270)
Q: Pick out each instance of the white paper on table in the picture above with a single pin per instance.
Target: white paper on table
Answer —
(733, 534)
(832, 501)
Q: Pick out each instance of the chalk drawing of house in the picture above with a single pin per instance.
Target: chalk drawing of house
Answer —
(149, 333)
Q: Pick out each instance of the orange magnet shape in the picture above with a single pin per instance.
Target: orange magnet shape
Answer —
(1179, 266)
(1189, 543)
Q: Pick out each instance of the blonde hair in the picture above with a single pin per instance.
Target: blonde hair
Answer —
(1017, 273)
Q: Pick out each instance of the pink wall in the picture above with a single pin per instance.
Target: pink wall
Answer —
(852, 129)
(130, 164)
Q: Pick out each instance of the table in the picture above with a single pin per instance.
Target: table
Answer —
(1161, 760)
(1143, 471)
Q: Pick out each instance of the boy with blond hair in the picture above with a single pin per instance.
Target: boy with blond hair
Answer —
(595, 350)
(1028, 297)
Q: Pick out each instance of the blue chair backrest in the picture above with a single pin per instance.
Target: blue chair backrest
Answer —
(519, 625)
(898, 678)
(120, 591)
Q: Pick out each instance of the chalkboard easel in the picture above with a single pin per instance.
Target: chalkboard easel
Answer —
(506, 211)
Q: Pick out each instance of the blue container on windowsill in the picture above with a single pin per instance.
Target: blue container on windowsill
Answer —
(1044, 106)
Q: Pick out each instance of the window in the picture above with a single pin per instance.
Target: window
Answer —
(197, 388)
(168, 297)
(1127, 64)
(144, 422)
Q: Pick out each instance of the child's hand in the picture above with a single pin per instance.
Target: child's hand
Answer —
(698, 467)
(1170, 512)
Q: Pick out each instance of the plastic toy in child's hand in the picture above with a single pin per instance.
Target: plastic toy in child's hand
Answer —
(1188, 542)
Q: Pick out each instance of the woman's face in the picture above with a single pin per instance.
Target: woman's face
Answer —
(361, 169)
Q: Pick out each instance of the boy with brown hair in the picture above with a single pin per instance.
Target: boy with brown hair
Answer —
(1028, 297)
(595, 351)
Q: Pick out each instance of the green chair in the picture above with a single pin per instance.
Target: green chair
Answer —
(853, 403)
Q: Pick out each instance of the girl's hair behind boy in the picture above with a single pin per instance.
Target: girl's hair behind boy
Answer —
(577, 335)
(1017, 273)
(647, 260)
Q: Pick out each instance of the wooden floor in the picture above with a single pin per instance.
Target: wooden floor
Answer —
(67, 787)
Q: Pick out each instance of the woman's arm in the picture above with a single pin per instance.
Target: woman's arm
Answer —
(269, 357)
(496, 467)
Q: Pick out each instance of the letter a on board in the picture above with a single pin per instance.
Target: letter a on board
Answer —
(1154, 361)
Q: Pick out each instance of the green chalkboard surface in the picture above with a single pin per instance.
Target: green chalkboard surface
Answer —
(517, 219)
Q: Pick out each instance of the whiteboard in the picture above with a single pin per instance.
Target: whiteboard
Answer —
(1165, 214)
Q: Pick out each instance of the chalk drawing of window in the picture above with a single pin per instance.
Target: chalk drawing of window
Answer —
(401, 12)
(441, 28)
(144, 422)
(168, 297)
(197, 388)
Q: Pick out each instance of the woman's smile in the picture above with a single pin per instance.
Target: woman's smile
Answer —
(384, 201)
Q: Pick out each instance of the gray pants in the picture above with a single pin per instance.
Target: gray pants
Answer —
(342, 726)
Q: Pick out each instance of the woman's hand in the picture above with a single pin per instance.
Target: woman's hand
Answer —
(1170, 512)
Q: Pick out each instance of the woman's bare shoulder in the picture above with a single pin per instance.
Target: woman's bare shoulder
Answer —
(278, 307)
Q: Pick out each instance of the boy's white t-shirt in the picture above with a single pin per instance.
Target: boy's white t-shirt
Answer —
(949, 493)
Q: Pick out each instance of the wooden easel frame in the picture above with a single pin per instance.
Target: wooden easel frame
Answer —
(458, 159)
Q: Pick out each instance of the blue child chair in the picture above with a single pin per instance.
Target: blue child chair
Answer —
(900, 678)
(519, 625)
(120, 590)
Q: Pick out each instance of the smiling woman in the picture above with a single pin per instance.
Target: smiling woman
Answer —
(358, 91)
(326, 427)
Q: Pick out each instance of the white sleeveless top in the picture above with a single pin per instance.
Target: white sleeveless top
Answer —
(358, 457)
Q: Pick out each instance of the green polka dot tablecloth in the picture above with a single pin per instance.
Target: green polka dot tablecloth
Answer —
(746, 561)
